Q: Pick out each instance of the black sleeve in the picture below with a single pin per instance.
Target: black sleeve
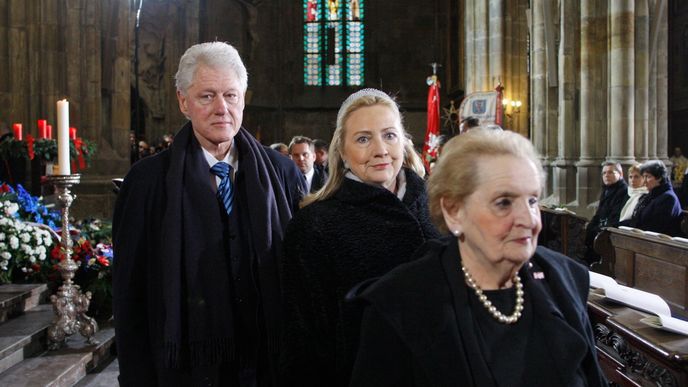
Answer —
(383, 359)
(616, 207)
(293, 181)
(129, 285)
(297, 188)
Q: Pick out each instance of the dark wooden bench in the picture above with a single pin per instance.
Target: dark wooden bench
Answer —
(651, 263)
(630, 352)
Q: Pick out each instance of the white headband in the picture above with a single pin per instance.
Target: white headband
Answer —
(369, 92)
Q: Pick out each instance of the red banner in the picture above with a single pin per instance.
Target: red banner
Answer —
(432, 134)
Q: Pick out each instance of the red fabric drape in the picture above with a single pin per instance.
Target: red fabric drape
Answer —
(431, 145)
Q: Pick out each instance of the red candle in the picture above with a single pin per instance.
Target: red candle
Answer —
(42, 129)
(17, 128)
(49, 132)
(72, 133)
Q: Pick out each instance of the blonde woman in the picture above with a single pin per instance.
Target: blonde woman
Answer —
(636, 190)
(368, 218)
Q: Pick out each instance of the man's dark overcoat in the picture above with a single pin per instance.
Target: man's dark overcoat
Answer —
(175, 289)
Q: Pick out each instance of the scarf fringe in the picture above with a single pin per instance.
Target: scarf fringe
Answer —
(198, 354)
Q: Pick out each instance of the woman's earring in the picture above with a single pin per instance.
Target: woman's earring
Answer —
(346, 165)
(457, 233)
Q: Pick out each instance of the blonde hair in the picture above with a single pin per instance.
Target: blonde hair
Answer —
(634, 168)
(457, 174)
(335, 163)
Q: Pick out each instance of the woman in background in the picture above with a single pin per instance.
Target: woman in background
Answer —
(486, 306)
(636, 189)
(659, 210)
(370, 216)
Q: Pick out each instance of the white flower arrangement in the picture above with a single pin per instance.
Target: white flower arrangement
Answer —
(22, 244)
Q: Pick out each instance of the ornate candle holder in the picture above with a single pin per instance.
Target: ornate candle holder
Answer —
(69, 304)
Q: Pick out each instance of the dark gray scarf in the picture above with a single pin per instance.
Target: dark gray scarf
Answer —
(198, 320)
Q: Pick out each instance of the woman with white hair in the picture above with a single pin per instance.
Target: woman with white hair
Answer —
(485, 306)
(368, 218)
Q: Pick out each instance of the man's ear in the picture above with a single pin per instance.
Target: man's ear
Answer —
(183, 103)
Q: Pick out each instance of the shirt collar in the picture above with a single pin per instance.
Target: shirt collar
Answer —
(230, 158)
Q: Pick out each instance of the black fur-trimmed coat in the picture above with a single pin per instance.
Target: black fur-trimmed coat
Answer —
(331, 245)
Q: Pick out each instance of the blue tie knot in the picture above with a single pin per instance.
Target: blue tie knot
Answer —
(221, 169)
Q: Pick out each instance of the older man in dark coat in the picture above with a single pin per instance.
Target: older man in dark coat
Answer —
(612, 199)
(197, 235)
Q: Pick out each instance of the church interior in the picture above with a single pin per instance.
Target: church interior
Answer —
(587, 82)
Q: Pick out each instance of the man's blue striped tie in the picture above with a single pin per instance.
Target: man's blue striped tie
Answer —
(225, 191)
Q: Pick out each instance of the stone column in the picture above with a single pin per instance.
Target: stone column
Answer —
(642, 67)
(652, 114)
(520, 71)
(565, 173)
(662, 89)
(538, 82)
(481, 70)
(496, 43)
(469, 41)
(622, 85)
(550, 13)
(121, 82)
(593, 122)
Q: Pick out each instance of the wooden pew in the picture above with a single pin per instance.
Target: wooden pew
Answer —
(630, 352)
(645, 262)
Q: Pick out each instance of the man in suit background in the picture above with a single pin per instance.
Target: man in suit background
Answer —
(302, 151)
(321, 150)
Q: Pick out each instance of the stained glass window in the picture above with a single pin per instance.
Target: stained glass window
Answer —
(333, 42)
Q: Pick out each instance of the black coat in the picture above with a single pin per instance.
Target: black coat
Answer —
(659, 211)
(418, 328)
(361, 232)
(612, 200)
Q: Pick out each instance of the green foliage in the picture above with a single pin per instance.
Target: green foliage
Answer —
(13, 149)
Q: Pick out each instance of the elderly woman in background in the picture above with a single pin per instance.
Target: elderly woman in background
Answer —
(636, 189)
(370, 216)
(485, 306)
(659, 210)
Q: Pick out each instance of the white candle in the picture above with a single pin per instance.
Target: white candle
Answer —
(63, 137)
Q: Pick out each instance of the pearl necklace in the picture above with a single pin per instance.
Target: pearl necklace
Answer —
(488, 304)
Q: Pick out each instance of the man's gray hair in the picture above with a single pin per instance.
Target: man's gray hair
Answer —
(211, 54)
